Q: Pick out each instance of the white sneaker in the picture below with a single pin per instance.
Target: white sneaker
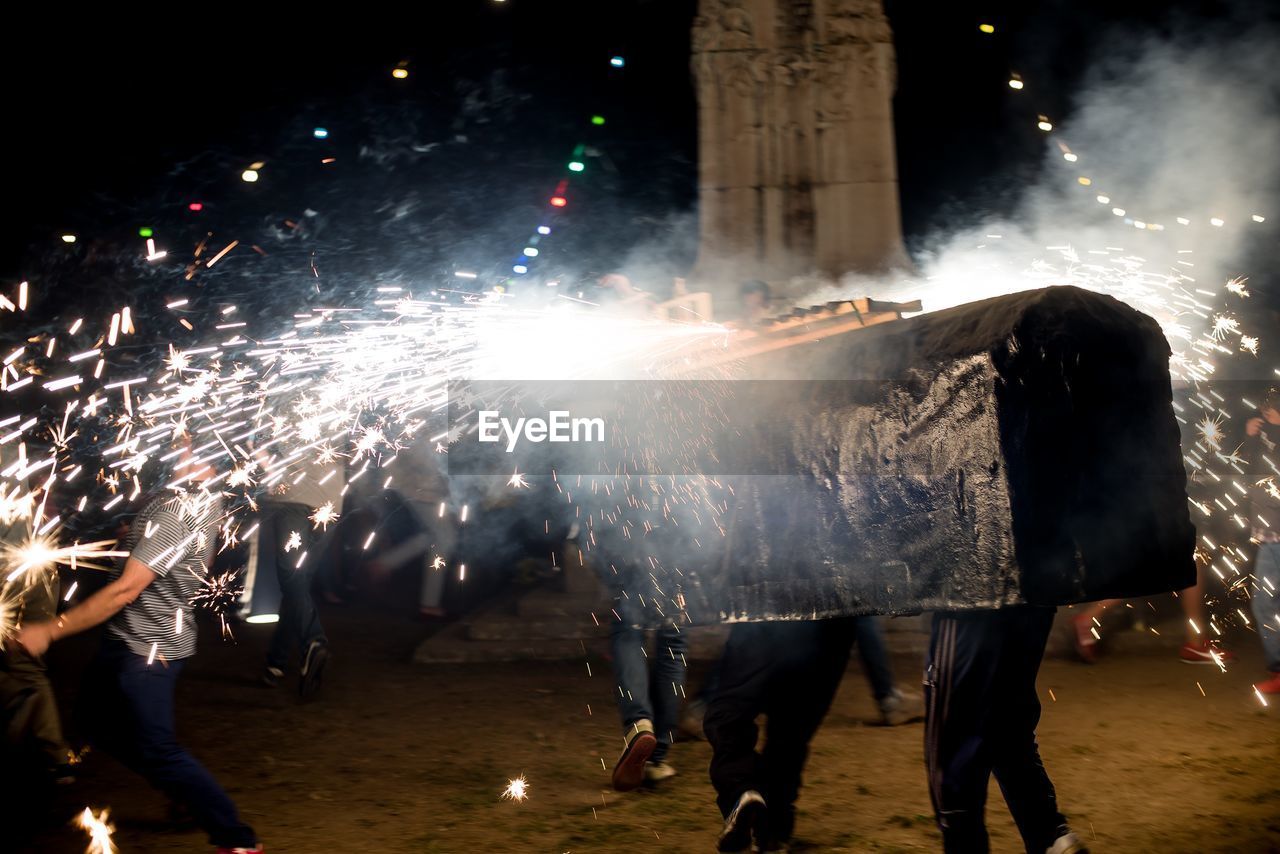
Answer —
(1068, 843)
(656, 772)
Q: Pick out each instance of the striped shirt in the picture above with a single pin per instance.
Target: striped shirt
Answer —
(174, 536)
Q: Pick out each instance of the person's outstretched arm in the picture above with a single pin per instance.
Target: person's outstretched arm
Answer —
(97, 609)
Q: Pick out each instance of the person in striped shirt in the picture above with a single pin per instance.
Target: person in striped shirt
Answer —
(150, 635)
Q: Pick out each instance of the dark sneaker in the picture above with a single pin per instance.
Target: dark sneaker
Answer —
(740, 826)
(313, 663)
(272, 676)
(628, 774)
(63, 774)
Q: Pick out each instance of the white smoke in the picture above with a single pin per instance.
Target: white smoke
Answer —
(1183, 126)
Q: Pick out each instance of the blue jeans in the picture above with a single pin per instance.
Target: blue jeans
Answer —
(128, 711)
(1266, 602)
(643, 694)
(299, 623)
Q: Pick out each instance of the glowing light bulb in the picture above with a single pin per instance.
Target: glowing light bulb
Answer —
(597, 120)
(617, 62)
(68, 238)
(145, 232)
(1104, 200)
(559, 201)
(520, 269)
(1044, 124)
(986, 28)
(1182, 220)
(1015, 83)
(195, 206)
(1259, 218)
(1216, 222)
(1083, 181)
(320, 133)
(577, 166)
(399, 73)
(543, 229)
(249, 176)
(1069, 157)
(1118, 211)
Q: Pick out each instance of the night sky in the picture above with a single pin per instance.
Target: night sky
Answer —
(121, 123)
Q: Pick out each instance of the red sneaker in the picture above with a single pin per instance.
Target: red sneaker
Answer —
(1086, 641)
(628, 774)
(1271, 686)
(1205, 652)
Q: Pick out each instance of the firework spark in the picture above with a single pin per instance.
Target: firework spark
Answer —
(324, 516)
(99, 831)
(516, 790)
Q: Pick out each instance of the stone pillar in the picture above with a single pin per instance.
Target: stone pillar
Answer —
(797, 171)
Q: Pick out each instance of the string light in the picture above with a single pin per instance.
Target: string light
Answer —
(249, 176)
(145, 232)
(558, 201)
(617, 62)
(520, 269)
(68, 238)
(320, 133)
(986, 28)
(597, 120)
(195, 206)
(544, 229)
(577, 166)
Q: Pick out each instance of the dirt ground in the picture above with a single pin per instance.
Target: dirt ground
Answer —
(404, 757)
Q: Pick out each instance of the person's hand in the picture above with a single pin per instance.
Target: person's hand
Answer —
(1253, 426)
(36, 637)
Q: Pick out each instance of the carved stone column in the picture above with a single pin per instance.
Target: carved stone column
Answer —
(797, 172)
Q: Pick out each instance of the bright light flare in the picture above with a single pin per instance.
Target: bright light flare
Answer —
(99, 831)
(516, 790)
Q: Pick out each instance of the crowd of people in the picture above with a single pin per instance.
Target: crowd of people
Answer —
(980, 705)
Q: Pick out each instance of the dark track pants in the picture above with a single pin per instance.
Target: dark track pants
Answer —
(789, 671)
(981, 715)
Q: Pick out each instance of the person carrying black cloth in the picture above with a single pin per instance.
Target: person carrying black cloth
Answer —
(981, 712)
(788, 671)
